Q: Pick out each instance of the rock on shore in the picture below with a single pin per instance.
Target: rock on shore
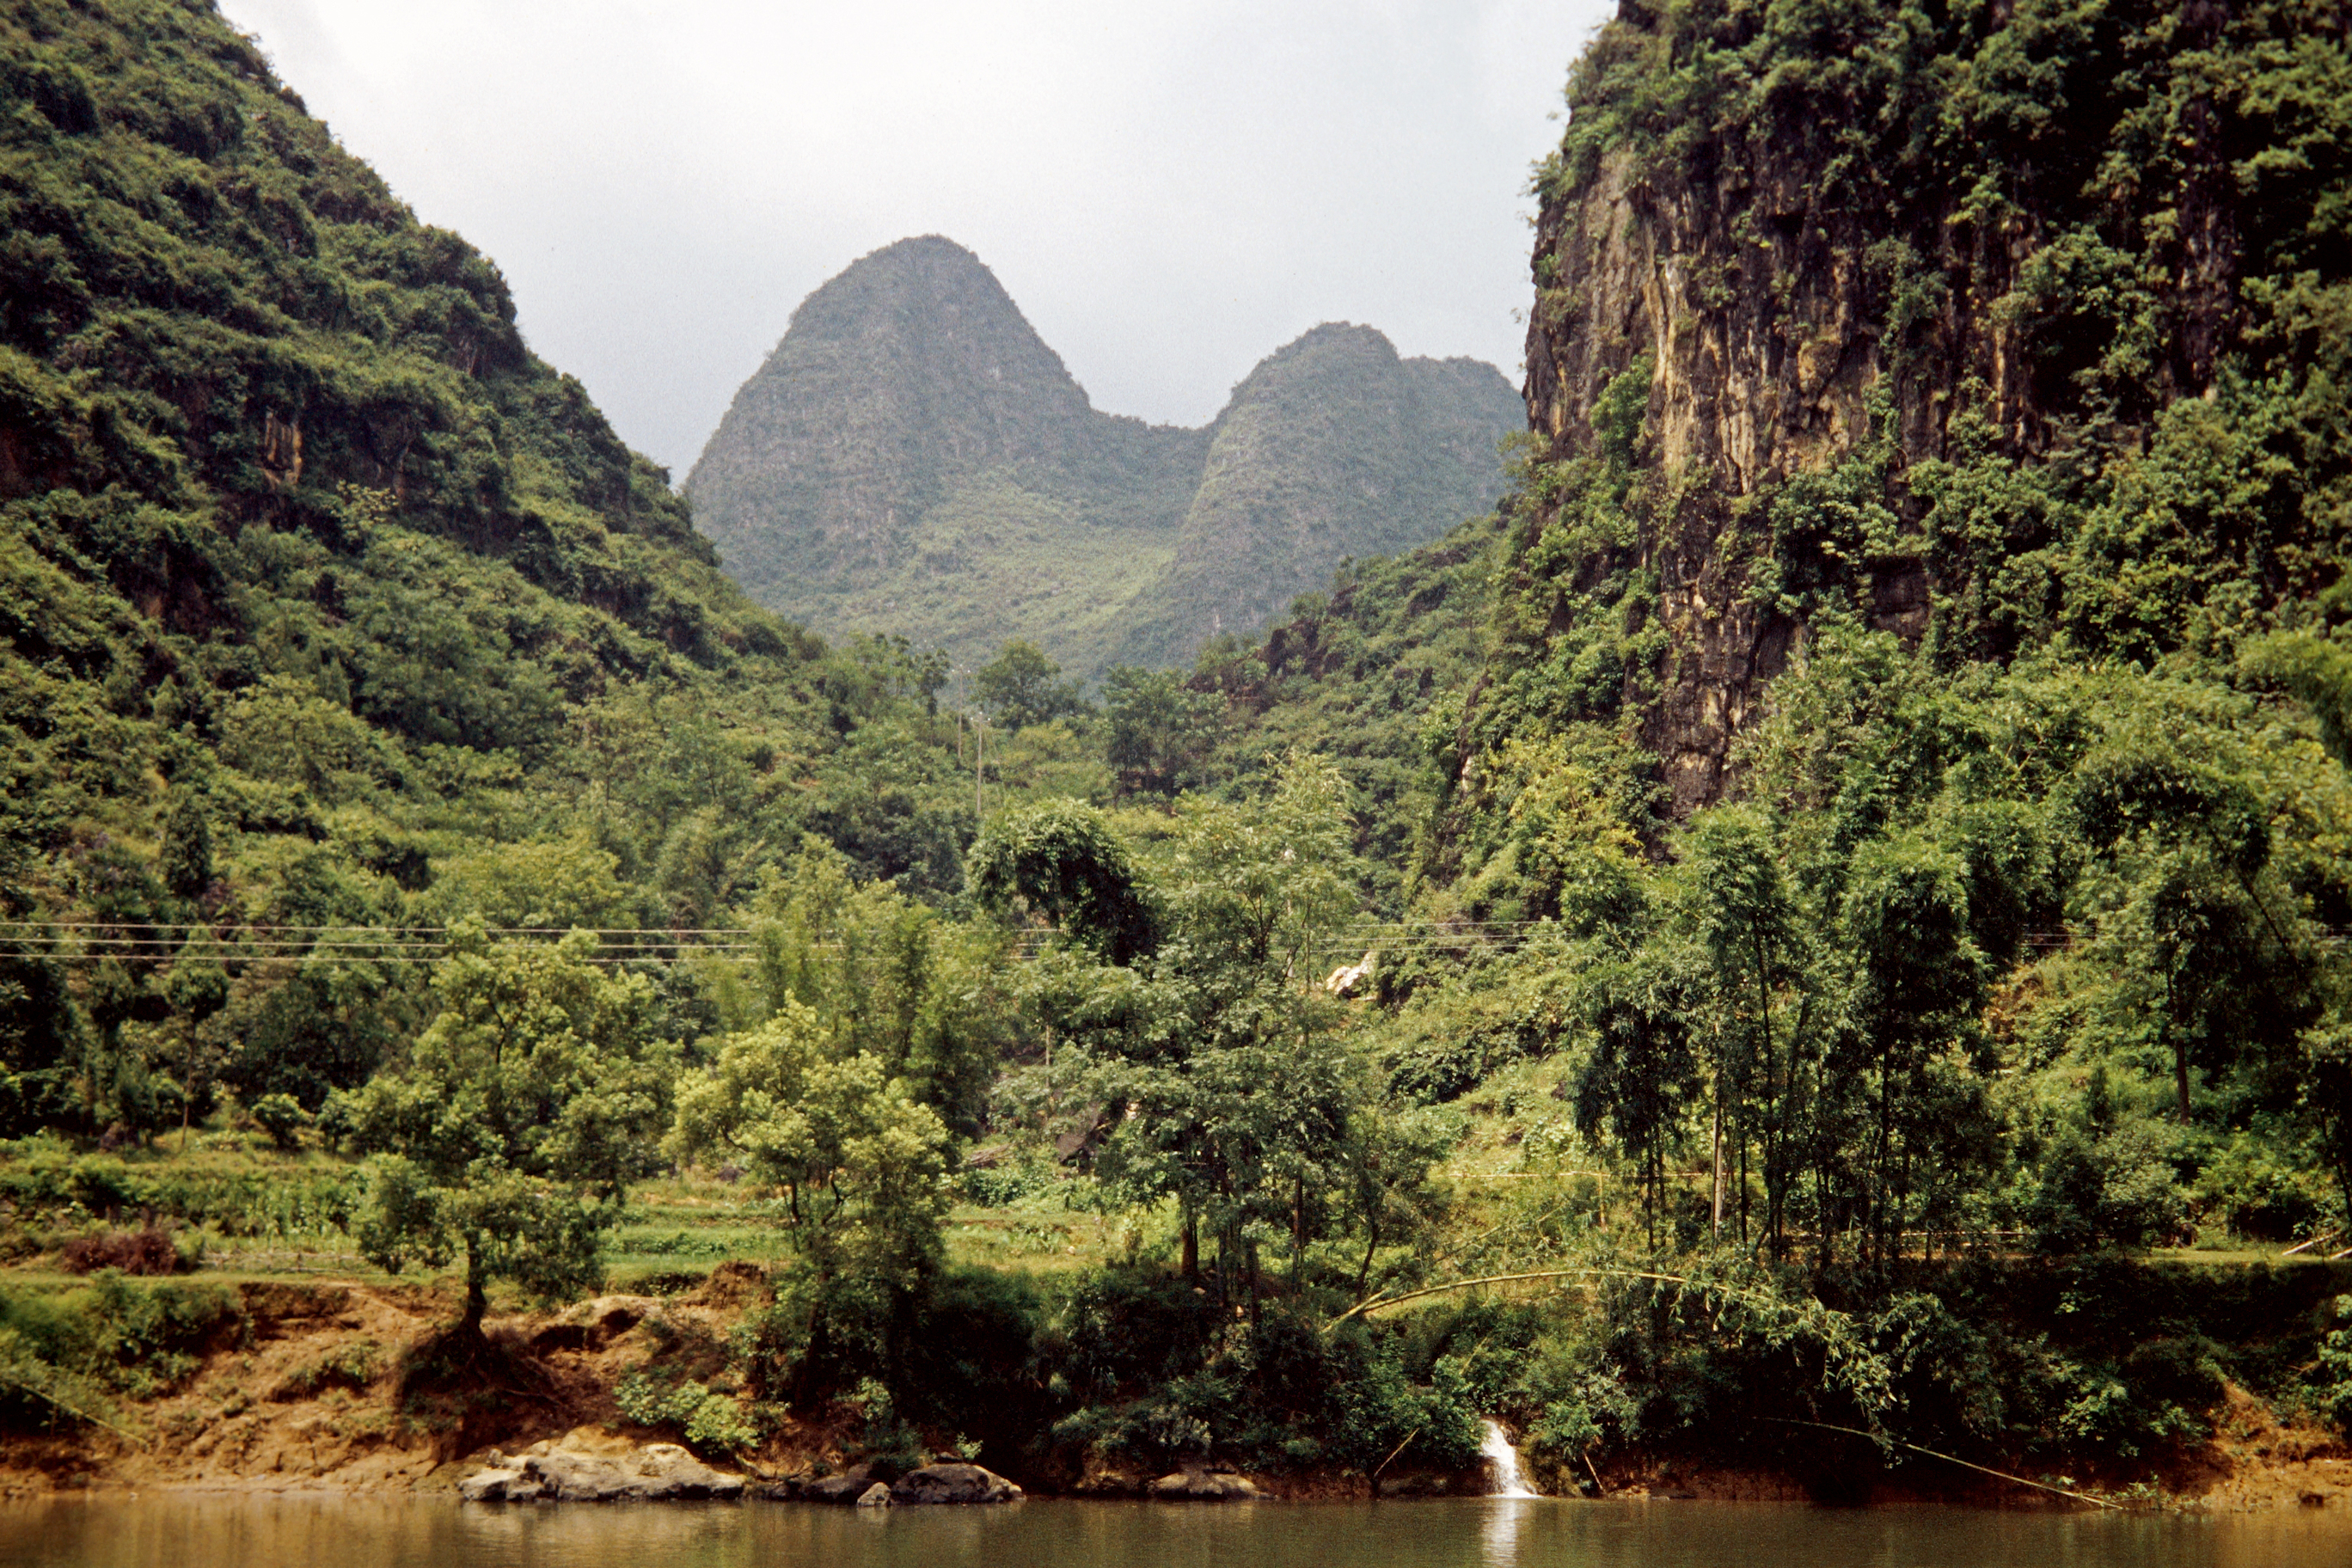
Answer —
(952, 1484)
(1203, 1486)
(586, 1466)
(868, 1486)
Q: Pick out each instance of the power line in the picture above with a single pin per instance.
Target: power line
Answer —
(421, 943)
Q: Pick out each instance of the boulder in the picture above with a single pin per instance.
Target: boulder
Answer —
(844, 1488)
(1348, 978)
(1203, 1486)
(953, 1484)
(587, 1466)
(878, 1495)
(500, 1484)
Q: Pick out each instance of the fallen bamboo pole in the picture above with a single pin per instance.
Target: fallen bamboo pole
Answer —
(1377, 1302)
(1950, 1459)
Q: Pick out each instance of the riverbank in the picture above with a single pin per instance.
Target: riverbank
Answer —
(348, 1386)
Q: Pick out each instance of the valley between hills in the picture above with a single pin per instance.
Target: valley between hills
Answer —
(1780, 937)
(912, 460)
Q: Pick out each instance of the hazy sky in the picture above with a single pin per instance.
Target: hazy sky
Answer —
(1170, 189)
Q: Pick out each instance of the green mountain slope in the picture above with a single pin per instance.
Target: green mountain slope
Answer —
(1332, 447)
(1913, 650)
(324, 602)
(913, 459)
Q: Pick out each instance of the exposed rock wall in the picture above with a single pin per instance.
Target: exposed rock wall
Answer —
(1843, 228)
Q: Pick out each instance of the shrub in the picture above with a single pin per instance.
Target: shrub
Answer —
(280, 1116)
(2332, 1382)
(712, 1423)
(148, 1252)
(116, 1334)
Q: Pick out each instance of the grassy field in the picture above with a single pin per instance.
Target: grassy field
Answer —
(1518, 1182)
(243, 1208)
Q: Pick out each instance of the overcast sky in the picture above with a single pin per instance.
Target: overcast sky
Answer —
(1170, 189)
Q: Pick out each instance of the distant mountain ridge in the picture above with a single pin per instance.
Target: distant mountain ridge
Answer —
(913, 458)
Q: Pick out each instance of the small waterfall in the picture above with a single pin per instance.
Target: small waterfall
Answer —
(1510, 1480)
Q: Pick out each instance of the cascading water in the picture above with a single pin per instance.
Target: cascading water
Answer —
(1509, 1481)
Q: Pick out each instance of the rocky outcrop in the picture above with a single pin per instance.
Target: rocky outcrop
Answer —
(850, 1486)
(588, 1466)
(1843, 237)
(1204, 1486)
(1350, 978)
(952, 1483)
(871, 1486)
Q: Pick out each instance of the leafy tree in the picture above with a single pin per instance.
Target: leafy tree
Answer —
(2197, 838)
(1639, 1081)
(1159, 729)
(861, 1162)
(1383, 1185)
(510, 1137)
(1759, 1018)
(308, 1027)
(1905, 1093)
(1019, 688)
(40, 1046)
(1062, 861)
(1241, 1094)
(547, 884)
(186, 863)
(197, 987)
(2315, 668)
(885, 976)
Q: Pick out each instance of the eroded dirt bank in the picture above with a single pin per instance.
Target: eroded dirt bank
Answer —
(339, 1385)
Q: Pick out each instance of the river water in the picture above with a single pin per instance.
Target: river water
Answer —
(194, 1530)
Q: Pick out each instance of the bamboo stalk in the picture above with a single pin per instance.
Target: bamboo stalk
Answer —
(1377, 1302)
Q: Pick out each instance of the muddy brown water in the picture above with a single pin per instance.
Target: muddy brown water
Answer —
(196, 1531)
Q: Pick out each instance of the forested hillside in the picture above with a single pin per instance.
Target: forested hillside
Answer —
(1813, 929)
(328, 605)
(912, 460)
(1879, 786)
(2011, 565)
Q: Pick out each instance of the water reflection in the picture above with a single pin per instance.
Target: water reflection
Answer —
(185, 1530)
(1501, 1536)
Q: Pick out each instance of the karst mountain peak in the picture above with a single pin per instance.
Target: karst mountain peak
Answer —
(914, 459)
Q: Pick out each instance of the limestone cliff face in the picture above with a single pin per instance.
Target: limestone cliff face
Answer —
(1841, 230)
(1763, 352)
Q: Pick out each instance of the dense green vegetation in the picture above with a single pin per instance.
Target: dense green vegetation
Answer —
(330, 608)
(1956, 1076)
(913, 458)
